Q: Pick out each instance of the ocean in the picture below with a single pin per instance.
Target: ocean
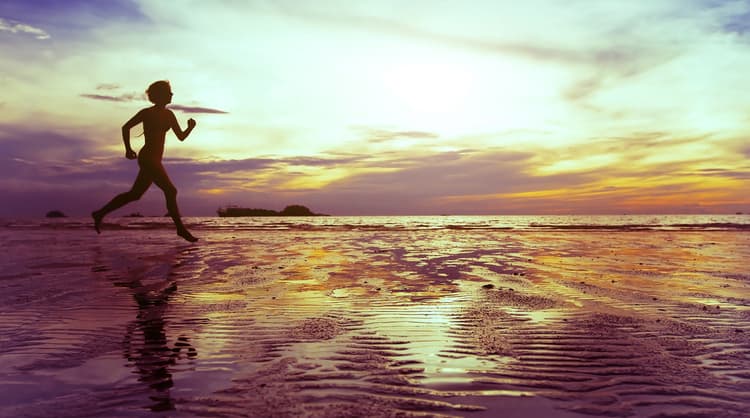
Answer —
(738, 222)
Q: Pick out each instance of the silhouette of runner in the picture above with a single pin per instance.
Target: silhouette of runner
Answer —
(157, 120)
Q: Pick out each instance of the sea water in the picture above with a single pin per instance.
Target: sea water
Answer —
(451, 222)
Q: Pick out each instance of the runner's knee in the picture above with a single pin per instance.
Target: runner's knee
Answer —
(134, 194)
(170, 191)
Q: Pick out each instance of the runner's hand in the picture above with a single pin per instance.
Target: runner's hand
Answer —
(131, 155)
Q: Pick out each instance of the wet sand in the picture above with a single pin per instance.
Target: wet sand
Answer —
(375, 323)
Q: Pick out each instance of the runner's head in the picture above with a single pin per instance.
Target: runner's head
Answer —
(159, 92)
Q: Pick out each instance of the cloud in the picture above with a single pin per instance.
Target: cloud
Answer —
(321, 161)
(219, 166)
(722, 172)
(420, 181)
(22, 28)
(602, 43)
(107, 86)
(71, 16)
(36, 144)
(196, 109)
(381, 135)
(109, 98)
(129, 97)
(610, 175)
(583, 88)
(733, 16)
(69, 170)
(605, 175)
(373, 23)
(622, 52)
(492, 181)
(738, 24)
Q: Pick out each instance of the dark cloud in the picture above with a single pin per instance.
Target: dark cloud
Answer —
(196, 109)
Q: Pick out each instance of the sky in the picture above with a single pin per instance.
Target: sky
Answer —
(382, 107)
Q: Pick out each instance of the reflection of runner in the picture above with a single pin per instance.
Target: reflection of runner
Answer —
(153, 357)
(157, 120)
(149, 346)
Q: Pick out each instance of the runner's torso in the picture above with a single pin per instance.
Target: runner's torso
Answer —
(156, 123)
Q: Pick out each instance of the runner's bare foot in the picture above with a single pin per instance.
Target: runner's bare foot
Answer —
(97, 221)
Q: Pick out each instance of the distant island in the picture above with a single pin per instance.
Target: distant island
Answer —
(292, 210)
(55, 214)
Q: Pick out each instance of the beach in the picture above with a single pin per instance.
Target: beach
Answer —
(336, 319)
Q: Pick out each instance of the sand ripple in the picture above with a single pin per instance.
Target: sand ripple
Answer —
(413, 323)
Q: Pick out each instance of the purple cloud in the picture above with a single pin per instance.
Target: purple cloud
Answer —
(69, 173)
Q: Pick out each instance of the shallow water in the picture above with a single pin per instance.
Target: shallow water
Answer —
(738, 222)
(384, 322)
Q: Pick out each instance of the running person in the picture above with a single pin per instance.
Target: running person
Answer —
(157, 120)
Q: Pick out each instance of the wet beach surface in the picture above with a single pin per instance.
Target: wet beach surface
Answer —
(375, 323)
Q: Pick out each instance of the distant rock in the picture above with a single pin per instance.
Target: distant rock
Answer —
(55, 214)
(235, 211)
(292, 210)
(296, 210)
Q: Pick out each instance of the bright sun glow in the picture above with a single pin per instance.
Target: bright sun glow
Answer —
(453, 93)
(429, 89)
